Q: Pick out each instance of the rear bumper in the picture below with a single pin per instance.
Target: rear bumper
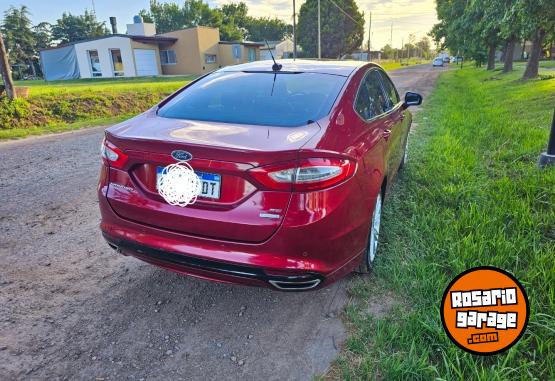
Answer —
(209, 269)
(321, 240)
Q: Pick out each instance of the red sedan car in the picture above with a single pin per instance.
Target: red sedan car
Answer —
(294, 159)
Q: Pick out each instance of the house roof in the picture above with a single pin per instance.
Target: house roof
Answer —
(146, 39)
(246, 43)
(273, 43)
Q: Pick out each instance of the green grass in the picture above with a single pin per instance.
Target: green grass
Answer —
(110, 85)
(17, 133)
(471, 195)
(64, 105)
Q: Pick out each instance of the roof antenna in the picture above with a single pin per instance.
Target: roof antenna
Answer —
(275, 66)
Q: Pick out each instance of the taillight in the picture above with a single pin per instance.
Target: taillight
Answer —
(309, 174)
(112, 155)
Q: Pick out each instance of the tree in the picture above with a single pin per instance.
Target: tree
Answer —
(477, 28)
(388, 52)
(166, 16)
(424, 46)
(6, 71)
(492, 16)
(510, 30)
(236, 13)
(231, 19)
(170, 16)
(538, 18)
(72, 28)
(266, 28)
(339, 34)
(19, 38)
(43, 35)
(451, 31)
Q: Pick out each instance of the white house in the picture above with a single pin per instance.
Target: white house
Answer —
(280, 49)
(142, 52)
(116, 55)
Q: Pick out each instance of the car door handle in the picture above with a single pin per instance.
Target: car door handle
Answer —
(386, 134)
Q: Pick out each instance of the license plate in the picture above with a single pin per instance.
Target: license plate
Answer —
(210, 183)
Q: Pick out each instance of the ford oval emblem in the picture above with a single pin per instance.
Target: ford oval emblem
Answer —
(181, 155)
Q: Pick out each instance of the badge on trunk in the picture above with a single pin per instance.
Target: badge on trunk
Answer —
(181, 155)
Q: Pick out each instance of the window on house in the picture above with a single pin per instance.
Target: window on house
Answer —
(252, 54)
(94, 60)
(210, 58)
(117, 62)
(236, 51)
(167, 57)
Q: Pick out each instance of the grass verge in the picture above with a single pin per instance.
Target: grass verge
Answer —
(104, 85)
(17, 133)
(471, 195)
(56, 108)
(393, 65)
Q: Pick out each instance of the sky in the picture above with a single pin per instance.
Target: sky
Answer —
(406, 16)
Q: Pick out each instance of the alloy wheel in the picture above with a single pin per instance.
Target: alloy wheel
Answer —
(375, 230)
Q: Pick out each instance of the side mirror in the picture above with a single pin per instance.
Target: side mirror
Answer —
(412, 99)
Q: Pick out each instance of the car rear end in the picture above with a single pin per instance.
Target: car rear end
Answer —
(271, 212)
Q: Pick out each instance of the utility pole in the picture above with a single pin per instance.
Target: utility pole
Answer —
(391, 37)
(294, 31)
(548, 158)
(402, 50)
(370, 38)
(319, 37)
(6, 70)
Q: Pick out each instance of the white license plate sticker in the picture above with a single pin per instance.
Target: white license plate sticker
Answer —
(211, 183)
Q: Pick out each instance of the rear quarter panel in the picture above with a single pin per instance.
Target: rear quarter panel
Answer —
(343, 131)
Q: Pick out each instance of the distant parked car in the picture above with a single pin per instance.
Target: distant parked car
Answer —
(446, 60)
(437, 62)
(457, 60)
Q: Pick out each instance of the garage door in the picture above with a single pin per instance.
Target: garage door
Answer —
(145, 62)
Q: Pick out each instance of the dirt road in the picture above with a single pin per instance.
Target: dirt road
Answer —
(71, 308)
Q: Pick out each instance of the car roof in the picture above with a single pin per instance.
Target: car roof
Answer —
(343, 68)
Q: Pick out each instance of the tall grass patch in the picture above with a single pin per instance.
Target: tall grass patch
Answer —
(471, 195)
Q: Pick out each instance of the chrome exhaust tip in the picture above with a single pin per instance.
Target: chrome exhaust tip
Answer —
(117, 249)
(295, 285)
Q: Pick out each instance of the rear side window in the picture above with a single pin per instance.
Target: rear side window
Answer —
(274, 99)
(390, 91)
(371, 101)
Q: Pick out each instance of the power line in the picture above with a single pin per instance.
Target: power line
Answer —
(345, 13)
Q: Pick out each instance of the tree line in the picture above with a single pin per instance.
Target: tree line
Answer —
(232, 19)
(479, 28)
(421, 48)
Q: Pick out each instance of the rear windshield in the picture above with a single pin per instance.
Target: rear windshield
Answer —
(282, 99)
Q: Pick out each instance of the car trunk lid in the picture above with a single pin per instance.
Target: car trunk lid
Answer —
(240, 212)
